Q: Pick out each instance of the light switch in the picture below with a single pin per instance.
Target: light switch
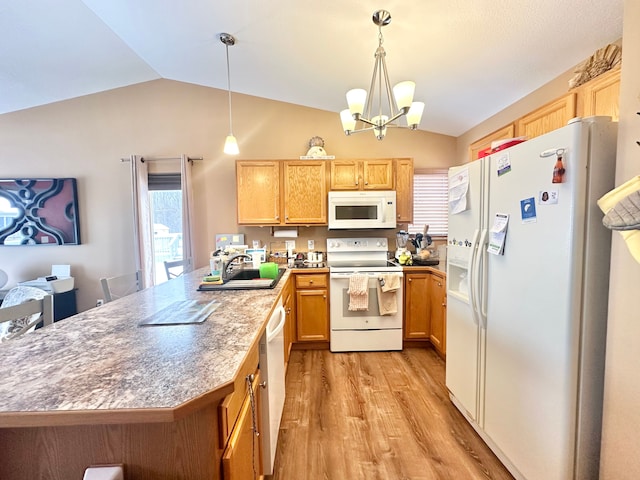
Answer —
(310, 245)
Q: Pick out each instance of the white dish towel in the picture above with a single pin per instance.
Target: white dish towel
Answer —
(358, 292)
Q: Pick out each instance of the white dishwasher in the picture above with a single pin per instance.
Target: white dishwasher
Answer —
(272, 395)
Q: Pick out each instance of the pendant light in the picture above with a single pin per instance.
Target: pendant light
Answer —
(230, 143)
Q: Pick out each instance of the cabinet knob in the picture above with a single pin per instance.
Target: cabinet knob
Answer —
(410, 279)
(366, 183)
(324, 296)
(264, 384)
(310, 281)
(439, 284)
(444, 304)
(398, 216)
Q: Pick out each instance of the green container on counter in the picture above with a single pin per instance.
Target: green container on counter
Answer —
(268, 270)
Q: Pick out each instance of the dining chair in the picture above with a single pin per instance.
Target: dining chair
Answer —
(22, 309)
(171, 264)
(121, 286)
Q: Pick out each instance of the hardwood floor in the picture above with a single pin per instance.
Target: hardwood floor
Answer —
(376, 415)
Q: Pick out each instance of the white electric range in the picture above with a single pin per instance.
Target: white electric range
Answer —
(362, 330)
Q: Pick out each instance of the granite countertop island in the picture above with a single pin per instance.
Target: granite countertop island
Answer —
(101, 366)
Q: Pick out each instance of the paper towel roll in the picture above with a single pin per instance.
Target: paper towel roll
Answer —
(291, 233)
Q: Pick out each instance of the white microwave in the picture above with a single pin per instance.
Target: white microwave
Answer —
(369, 209)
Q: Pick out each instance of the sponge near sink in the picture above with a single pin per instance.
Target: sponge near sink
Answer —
(269, 270)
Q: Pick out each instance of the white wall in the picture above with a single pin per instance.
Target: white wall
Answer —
(620, 458)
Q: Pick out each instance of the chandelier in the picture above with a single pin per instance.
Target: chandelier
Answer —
(399, 104)
(230, 143)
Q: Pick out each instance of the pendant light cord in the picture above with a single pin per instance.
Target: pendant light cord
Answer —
(229, 90)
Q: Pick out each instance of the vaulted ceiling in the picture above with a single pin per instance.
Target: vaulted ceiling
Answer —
(469, 58)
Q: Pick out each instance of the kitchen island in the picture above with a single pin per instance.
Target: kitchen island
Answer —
(99, 388)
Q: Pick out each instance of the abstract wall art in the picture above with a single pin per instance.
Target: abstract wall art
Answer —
(39, 211)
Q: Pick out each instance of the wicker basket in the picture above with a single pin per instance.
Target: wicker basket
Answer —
(279, 259)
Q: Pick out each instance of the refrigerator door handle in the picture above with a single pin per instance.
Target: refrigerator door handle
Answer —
(471, 274)
(478, 267)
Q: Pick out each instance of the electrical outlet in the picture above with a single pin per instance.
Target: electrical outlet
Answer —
(99, 302)
(310, 245)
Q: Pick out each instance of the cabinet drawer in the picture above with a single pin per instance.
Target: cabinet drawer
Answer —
(230, 407)
(318, 280)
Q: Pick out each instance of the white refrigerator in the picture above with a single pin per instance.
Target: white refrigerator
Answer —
(526, 322)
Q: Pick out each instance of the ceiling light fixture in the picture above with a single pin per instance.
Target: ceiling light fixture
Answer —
(399, 104)
(230, 143)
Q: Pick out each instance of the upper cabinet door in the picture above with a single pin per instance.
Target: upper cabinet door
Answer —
(404, 190)
(552, 116)
(374, 174)
(601, 96)
(305, 192)
(258, 192)
(485, 142)
(345, 175)
(377, 174)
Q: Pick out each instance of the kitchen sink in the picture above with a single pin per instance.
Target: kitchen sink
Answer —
(246, 279)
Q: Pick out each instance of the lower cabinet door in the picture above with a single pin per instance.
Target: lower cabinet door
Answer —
(241, 458)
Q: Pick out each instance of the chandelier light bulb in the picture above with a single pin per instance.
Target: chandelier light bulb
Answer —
(414, 115)
(403, 93)
(380, 128)
(356, 99)
(348, 122)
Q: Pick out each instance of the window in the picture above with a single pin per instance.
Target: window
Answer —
(165, 199)
(430, 202)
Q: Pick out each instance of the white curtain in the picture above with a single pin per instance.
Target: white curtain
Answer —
(187, 210)
(142, 233)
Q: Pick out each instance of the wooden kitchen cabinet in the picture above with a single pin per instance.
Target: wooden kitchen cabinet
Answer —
(305, 192)
(438, 309)
(485, 142)
(258, 192)
(404, 190)
(371, 174)
(243, 452)
(312, 307)
(547, 118)
(425, 307)
(417, 314)
(281, 192)
(601, 96)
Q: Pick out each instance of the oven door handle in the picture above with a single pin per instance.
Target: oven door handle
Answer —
(369, 274)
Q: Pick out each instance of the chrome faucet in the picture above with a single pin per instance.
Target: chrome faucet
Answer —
(227, 264)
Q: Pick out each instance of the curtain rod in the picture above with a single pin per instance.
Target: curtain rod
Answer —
(151, 159)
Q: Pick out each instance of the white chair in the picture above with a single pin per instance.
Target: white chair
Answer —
(170, 265)
(22, 309)
(121, 286)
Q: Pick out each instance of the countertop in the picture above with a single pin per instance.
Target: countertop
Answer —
(441, 267)
(100, 365)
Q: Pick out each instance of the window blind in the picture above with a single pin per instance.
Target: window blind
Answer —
(430, 203)
(164, 181)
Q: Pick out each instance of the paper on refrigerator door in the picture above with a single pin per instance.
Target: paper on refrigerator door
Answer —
(458, 188)
(498, 234)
